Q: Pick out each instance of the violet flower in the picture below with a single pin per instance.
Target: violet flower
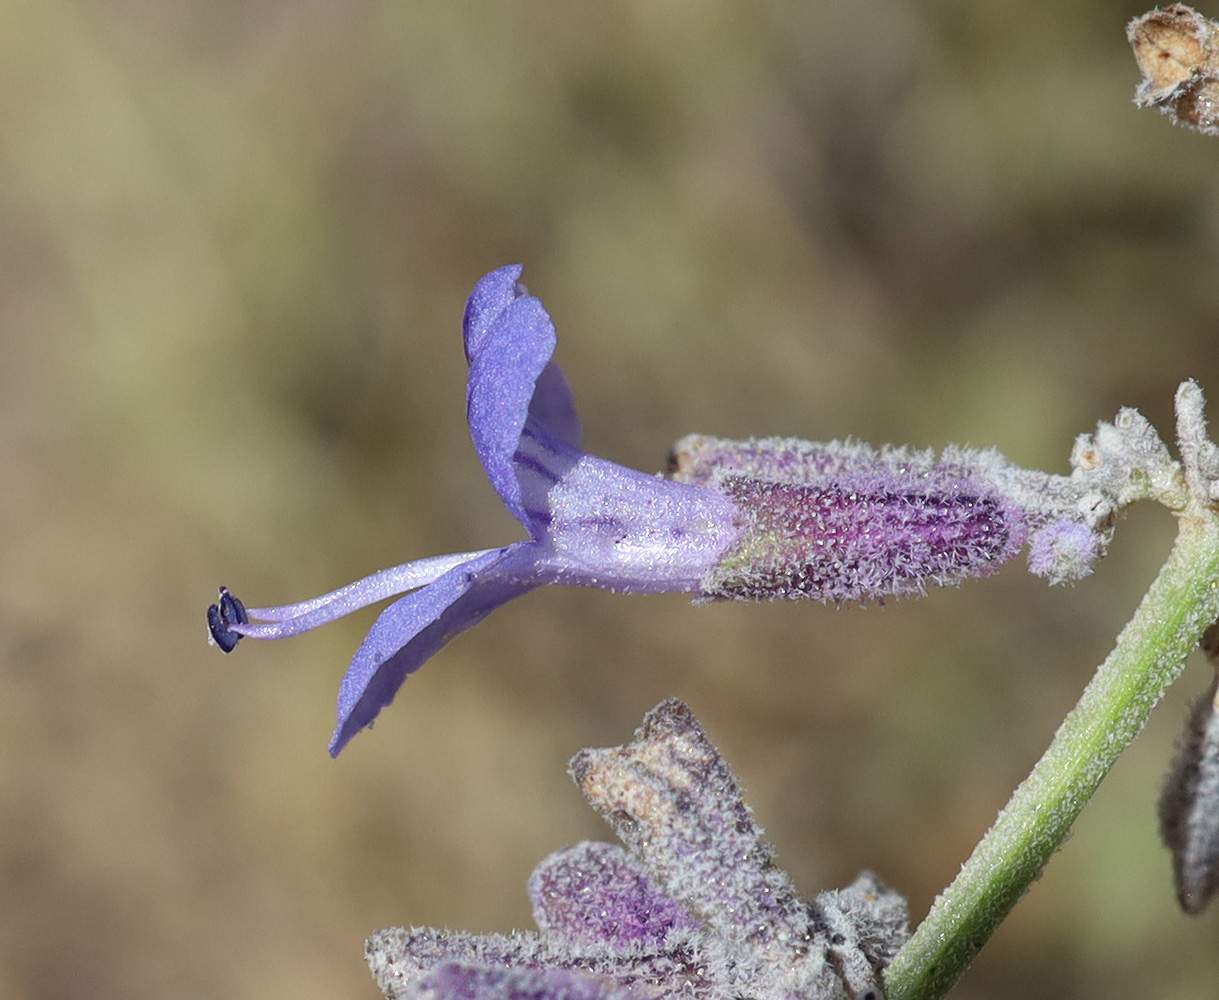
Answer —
(770, 518)
(693, 909)
(590, 522)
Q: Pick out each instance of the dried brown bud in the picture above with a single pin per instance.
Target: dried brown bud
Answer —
(1177, 51)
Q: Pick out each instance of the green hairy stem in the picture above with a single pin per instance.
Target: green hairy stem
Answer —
(1150, 654)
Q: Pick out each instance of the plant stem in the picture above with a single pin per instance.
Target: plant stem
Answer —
(1150, 654)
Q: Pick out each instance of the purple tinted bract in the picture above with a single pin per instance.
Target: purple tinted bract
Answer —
(694, 907)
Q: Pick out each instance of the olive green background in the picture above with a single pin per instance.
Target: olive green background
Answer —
(235, 244)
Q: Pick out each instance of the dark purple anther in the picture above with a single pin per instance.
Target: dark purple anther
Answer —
(229, 611)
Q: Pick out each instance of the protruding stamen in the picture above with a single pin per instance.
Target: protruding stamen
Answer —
(293, 619)
(369, 590)
(228, 611)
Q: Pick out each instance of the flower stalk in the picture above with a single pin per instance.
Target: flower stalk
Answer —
(1149, 655)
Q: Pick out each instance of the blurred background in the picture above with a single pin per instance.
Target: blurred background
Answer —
(235, 244)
